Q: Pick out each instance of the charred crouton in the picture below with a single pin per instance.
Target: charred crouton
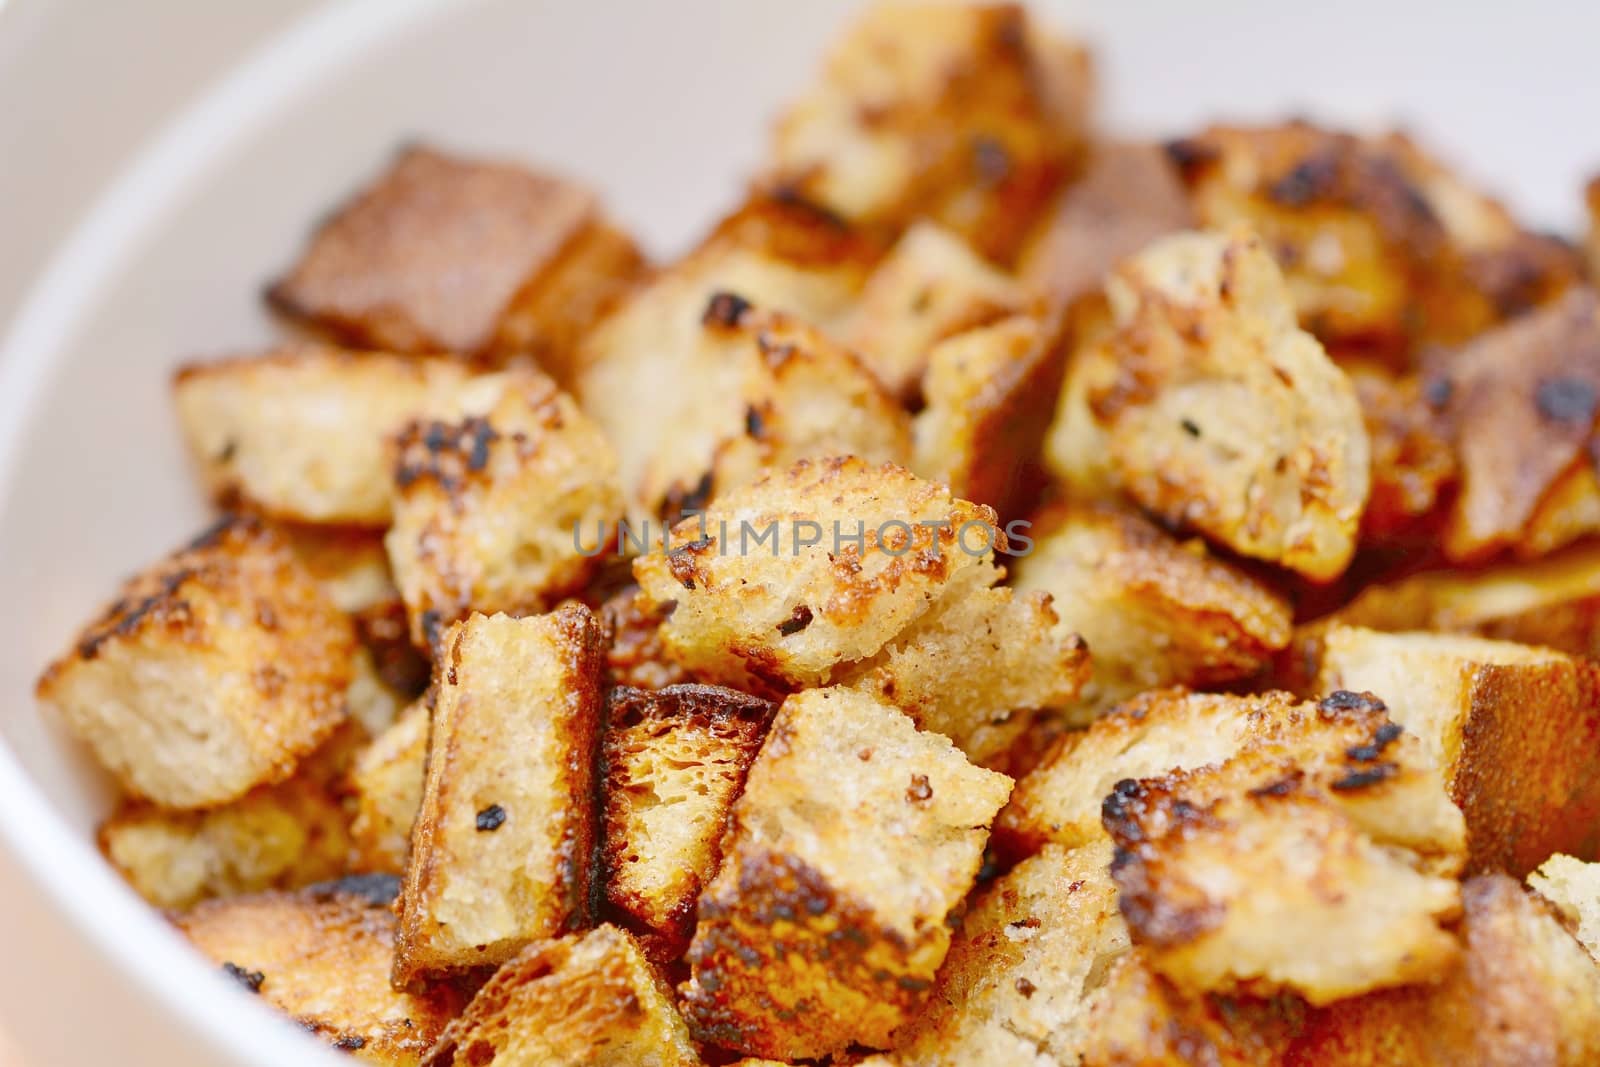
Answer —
(964, 114)
(634, 655)
(1413, 456)
(585, 999)
(673, 761)
(802, 948)
(302, 433)
(1223, 415)
(213, 672)
(321, 956)
(386, 785)
(990, 395)
(1572, 887)
(811, 568)
(508, 511)
(930, 287)
(1512, 728)
(500, 854)
(1155, 611)
(444, 254)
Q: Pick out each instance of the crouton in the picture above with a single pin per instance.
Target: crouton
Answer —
(990, 395)
(301, 433)
(456, 255)
(585, 999)
(802, 947)
(1156, 611)
(1077, 449)
(1572, 887)
(213, 672)
(1511, 727)
(507, 512)
(386, 785)
(1224, 416)
(1523, 400)
(930, 287)
(1129, 196)
(1413, 457)
(634, 655)
(321, 956)
(501, 850)
(822, 564)
(966, 115)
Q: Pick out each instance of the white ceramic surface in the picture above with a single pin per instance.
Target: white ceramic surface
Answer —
(663, 106)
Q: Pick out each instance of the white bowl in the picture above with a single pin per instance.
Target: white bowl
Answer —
(663, 106)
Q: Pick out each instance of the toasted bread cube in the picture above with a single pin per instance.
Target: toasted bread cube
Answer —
(213, 672)
(931, 286)
(1572, 887)
(456, 255)
(386, 785)
(1226, 417)
(802, 948)
(634, 654)
(1413, 457)
(1077, 449)
(501, 851)
(302, 433)
(507, 512)
(1509, 726)
(585, 999)
(965, 114)
(857, 553)
(321, 956)
(673, 762)
(1155, 611)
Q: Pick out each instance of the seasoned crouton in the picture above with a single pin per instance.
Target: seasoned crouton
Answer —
(581, 1000)
(781, 582)
(964, 114)
(1155, 611)
(930, 287)
(508, 512)
(302, 433)
(991, 393)
(386, 784)
(213, 672)
(456, 255)
(1077, 447)
(1572, 887)
(634, 654)
(1413, 457)
(348, 562)
(501, 851)
(321, 956)
(1223, 415)
(673, 760)
(1510, 726)
(803, 946)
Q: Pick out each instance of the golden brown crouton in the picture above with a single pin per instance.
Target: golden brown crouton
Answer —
(1077, 447)
(508, 511)
(581, 1000)
(854, 838)
(964, 114)
(1226, 417)
(386, 784)
(1508, 725)
(673, 760)
(213, 672)
(1413, 457)
(634, 655)
(1572, 887)
(455, 255)
(1155, 611)
(321, 956)
(501, 851)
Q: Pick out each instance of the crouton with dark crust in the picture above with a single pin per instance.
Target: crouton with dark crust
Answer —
(386, 791)
(502, 849)
(634, 653)
(1414, 464)
(213, 672)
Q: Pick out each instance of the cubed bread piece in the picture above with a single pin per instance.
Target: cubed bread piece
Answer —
(1572, 887)
(302, 433)
(386, 785)
(321, 956)
(990, 395)
(855, 837)
(449, 254)
(1077, 448)
(673, 760)
(783, 581)
(1413, 457)
(1156, 611)
(931, 286)
(509, 511)
(965, 114)
(1514, 729)
(585, 999)
(502, 847)
(634, 653)
(1223, 415)
(213, 672)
